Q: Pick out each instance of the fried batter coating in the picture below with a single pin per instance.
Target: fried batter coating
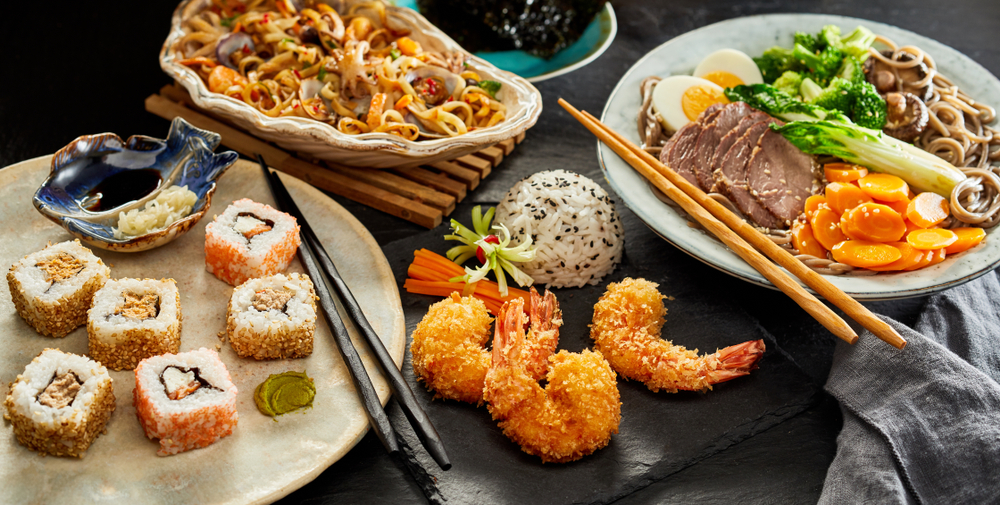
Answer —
(626, 329)
(448, 348)
(573, 416)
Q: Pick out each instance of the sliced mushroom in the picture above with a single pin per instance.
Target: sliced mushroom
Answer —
(907, 116)
(884, 79)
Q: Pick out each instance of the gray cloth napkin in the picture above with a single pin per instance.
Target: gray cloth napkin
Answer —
(922, 425)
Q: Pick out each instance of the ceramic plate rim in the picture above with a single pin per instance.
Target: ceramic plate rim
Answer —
(708, 250)
(608, 11)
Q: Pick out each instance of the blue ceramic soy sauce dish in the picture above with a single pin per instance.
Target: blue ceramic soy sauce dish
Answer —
(96, 177)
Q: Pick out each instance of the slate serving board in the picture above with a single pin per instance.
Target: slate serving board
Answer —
(660, 433)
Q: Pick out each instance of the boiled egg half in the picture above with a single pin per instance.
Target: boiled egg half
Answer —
(728, 68)
(679, 99)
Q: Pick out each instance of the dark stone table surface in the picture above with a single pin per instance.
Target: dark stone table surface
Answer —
(86, 67)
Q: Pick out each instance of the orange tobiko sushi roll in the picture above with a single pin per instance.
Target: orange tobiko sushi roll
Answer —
(250, 240)
(186, 400)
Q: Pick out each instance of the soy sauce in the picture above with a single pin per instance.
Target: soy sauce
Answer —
(124, 187)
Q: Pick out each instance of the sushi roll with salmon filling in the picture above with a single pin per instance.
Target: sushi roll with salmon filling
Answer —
(185, 400)
(133, 319)
(273, 317)
(60, 403)
(52, 288)
(250, 240)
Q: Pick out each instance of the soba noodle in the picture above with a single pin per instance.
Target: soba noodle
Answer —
(957, 131)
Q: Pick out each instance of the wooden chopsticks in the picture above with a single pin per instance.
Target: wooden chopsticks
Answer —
(317, 262)
(738, 235)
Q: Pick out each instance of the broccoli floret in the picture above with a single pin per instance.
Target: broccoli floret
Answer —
(839, 96)
(789, 82)
(868, 109)
(780, 104)
(807, 41)
(829, 36)
(823, 66)
(857, 43)
(774, 62)
(851, 70)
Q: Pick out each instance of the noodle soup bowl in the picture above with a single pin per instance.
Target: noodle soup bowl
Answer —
(71, 193)
(375, 150)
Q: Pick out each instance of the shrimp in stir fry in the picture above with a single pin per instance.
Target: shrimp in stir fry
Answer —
(578, 410)
(626, 329)
(449, 353)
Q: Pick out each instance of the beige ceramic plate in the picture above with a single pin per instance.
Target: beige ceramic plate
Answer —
(262, 460)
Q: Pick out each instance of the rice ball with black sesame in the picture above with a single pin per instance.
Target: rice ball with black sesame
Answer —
(571, 221)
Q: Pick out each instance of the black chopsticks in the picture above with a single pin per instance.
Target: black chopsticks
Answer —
(314, 257)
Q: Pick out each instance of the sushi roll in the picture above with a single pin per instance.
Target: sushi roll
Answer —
(133, 319)
(273, 317)
(52, 288)
(250, 240)
(185, 400)
(60, 403)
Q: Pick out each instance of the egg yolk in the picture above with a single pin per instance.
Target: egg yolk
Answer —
(723, 78)
(696, 99)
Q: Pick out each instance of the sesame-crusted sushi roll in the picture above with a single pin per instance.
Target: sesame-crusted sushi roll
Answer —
(133, 319)
(273, 317)
(52, 288)
(185, 400)
(250, 240)
(60, 403)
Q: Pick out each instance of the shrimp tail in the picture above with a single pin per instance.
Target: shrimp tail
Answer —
(543, 336)
(736, 361)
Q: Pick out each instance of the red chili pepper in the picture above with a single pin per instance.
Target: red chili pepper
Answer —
(480, 254)
(246, 49)
(267, 18)
(297, 74)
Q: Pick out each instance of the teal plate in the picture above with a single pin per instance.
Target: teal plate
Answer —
(594, 41)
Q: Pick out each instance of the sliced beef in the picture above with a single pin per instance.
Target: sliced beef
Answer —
(679, 150)
(727, 118)
(732, 177)
(730, 138)
(780, 176)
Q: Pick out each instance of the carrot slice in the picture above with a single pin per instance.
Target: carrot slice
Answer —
(930, 239)
(925, 260)
(825, 225)
(843, 172)
(864, 254)
(847, 226)
(876, 223)
(967, 239)
(911, 256)
(813, 203)
(927, 209)
(898, 206)
(938, 257)
(842, 197)
(885, 187)
(805, 242)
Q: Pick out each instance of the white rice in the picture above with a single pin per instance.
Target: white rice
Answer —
(573, 224)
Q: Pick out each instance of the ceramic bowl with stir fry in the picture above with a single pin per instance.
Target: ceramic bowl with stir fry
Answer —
(356, 82)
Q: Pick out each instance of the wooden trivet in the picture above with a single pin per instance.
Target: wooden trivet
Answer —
(422, 195)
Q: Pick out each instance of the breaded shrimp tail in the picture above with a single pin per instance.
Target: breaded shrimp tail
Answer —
(626, 329)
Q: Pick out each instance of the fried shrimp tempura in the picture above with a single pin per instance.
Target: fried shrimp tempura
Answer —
(574, 415)
(626, 329)
(448, 349)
